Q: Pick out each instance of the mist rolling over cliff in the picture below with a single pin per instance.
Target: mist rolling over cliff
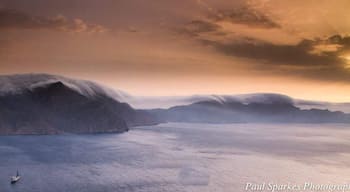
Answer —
(47, 104)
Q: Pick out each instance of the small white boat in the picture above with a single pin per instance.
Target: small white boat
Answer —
(16, 178)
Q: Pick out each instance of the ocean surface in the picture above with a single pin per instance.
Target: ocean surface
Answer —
(178, 157)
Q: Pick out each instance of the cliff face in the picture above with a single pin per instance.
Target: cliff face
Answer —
(44, 104)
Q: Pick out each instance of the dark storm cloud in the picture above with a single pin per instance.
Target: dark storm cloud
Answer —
(246, 16)
(14, 19)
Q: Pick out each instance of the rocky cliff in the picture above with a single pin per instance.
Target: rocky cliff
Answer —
(48, 104)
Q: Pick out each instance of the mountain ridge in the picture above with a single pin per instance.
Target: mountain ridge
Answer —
(48, 104)
(52, 104)
(234, 111)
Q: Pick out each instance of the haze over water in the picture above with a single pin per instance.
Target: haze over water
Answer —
(178, 157)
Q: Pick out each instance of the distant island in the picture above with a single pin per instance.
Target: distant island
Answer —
(51, 104)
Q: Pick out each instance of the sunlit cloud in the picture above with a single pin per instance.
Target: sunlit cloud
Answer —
(246, 32)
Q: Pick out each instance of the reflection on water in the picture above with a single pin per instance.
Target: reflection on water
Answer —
(178, 157)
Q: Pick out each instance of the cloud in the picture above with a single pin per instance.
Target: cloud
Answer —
(240, 21)
(335, 44)
(197, 27)
(319, 58)
(282, 54)
(300, 59)
(245, 32)
(14, 19)
(246, 16)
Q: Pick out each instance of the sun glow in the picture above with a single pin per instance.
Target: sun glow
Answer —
(347, 59)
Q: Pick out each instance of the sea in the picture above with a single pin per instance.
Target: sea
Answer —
(181, 157)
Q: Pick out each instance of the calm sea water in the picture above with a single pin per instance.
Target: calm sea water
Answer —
(178, 157)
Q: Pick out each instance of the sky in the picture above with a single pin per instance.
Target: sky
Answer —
(184, 47)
